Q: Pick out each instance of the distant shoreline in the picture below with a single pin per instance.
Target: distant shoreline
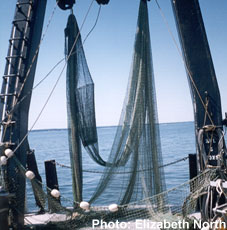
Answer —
(103, 127)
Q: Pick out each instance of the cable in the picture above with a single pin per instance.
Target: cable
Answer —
(142, 170)
(94, 25)
(55, 66)
(71, 53)
(39, 83)
(186, 67)
(28, 72)
(58, 79)
(37, 50)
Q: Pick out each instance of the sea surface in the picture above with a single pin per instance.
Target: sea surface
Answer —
(177, 141)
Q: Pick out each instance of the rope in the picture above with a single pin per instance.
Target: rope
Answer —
(96, 21)
(9, 114)
(57, 81)
(42, 80)
(181, 55)
(39, 83)
(37, 50)
(127, 172)
(53, 68)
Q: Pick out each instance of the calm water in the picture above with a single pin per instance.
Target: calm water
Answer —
(177, 141)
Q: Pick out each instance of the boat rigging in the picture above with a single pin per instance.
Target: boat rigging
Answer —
(135, 162)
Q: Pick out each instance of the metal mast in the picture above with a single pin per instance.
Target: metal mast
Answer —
(16, 95)
(203, 83)
(211, 149)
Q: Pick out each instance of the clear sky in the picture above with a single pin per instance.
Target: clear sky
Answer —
(109, 53)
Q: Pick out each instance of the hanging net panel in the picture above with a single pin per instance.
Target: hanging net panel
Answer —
(80, 106)
(132, 171)
(133, 174)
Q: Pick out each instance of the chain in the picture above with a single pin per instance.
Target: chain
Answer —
(127, 172)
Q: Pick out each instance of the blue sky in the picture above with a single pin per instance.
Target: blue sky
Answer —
(109, 53)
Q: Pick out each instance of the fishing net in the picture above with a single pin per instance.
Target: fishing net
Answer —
(15, 100)
(178, 205)
(133, 174)
(80, 106)
(181, 207)
(136, 151)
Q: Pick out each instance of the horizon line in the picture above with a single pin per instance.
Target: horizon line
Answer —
(103, 126)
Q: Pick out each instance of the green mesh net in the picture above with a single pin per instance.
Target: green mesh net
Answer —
(136, 151)
(147, 213)
(133, 174)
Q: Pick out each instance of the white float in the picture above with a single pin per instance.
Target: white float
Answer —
(84, 205)
(55, 193)
(30, 175)
(113, 208)
(9, 153)
(3, 160)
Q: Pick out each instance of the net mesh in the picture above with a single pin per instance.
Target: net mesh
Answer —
(156, 212)
(134, 171)
(148, 212)
(136, 148)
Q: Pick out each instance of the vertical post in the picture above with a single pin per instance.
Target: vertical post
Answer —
(16, 87)
(32, 166)
(192, 166)
(198, 60)
(52, 182)
(4, 210)
(71, 33)
(201, 75)
(193, 172)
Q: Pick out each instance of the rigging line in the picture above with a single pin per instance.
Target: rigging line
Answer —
(8, 115)
(37, 50)
(180, 53)
(71, 51)
(55, 66)
(142, 170)
(56, 83)
(39, 83)
(24, 170)
(96, 21)
(206, 112)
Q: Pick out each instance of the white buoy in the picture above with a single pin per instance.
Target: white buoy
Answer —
(55, 193)
(84, 205)
(30, 175)
(113, 208)
(9, 153)
(3, 160)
